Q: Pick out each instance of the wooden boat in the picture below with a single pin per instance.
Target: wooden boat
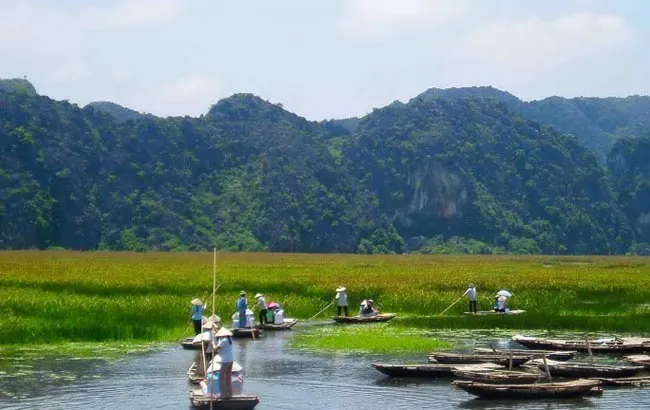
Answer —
(455, 358)
(498, 376)
(195, 375)
(493, 313)
(240, 402)
(188, 344)
(559, 355)
(288, 324)
(246, 332)
(581, 369)
(382, 317)
(639, 359)
(575, 388)
(430, 370)
(613, 345)
(623, 381)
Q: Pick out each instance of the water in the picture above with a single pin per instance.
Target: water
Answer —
(282, 377)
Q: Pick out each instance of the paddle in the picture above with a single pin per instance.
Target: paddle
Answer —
(449, 307)
(322, 310)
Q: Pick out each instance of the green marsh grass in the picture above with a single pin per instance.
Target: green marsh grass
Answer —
(60, 297)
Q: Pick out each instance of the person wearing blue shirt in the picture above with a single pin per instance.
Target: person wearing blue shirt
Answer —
(242, 305)
(197, 315)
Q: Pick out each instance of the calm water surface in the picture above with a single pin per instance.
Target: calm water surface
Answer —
(282, 377)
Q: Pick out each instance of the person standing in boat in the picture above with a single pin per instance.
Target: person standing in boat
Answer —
(341, 300)
(222, 344)
(471, 293)
(242, 305)
(261, 303)
(197, 315)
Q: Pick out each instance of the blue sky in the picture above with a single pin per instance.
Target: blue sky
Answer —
(321, 58)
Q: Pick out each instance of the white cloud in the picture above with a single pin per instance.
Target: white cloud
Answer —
(134, 13)
(537, 45)
(372, 18)
(193, 95)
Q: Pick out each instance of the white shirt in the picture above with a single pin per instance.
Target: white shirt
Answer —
(279, 317)
(471, 292)
(225, 349)
(261, 303)
(342, 298)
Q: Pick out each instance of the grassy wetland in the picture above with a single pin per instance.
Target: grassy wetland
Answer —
(62, 297)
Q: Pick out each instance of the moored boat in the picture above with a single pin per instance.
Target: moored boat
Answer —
(580, 369)
(430, 370)
(559, 355)
(453, 358)
(639, 359)
(381, 317)
(498, 376)
(624, 381)
(609, 345)
(189, 344)
(575, 388)
(239, 402)
(493, 313)
(288, 324)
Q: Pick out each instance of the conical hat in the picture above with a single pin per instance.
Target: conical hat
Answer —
(259, 295)
(340, 289)
(196, 302)
(223, 332)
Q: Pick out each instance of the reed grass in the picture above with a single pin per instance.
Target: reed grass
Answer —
(66, 296)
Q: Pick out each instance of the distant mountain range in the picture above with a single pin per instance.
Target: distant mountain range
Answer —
(471, 170)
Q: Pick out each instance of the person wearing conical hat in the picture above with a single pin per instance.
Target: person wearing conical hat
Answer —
(197, 315)
(242, 305)
(222, 344)
(471, 294)
(341, 300)
(261, 303)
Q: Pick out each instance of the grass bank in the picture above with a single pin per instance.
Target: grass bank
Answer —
(93, 297)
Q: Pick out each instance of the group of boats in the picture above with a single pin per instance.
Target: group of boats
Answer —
(542, 368)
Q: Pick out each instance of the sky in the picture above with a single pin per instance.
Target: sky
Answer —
(321, 58)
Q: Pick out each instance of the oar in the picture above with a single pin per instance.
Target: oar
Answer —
(331, 303)
(449, 307)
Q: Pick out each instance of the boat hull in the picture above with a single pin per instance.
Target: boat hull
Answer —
(246, 333)
(558, 355)
(493, 313)
(242, 402)
(477, 358)
(616, 346)
(498, 376)
(287, 325)
(577, 388)
(430, 370)
(383, 317)
(586, 370)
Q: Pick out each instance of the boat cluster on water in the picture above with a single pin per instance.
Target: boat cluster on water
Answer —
(541, 368)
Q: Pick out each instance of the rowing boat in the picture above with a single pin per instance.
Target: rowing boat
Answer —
(624, 381)
(575, 388)
(639, 359)
(493, 313)
(382, 317)
(559, 355)
(610, 345)
(453, 358)
(239, 402)
(580, 369)
(189, 344)
(288, 324)
(246, 332)
(430, 370)
(498, 376)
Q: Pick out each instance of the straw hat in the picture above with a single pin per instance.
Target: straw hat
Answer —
(223, 332)
(371, 301)
(196, 302)
(242, 293)
(471, 285)
(340, 289)
(502, 298)
(259, 295)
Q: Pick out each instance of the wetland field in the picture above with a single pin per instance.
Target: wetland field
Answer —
(62, 297)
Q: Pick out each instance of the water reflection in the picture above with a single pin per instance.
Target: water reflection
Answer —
(283, 378)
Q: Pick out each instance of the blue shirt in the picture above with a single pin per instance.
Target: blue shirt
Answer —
(197, 312)
(225, 349)
(242, 304)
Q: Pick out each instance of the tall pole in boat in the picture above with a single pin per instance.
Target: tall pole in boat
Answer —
(214, 278)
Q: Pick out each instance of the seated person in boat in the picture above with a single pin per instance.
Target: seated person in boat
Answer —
(367, 309)
(278, 315)
(500, 303)
(210, 384)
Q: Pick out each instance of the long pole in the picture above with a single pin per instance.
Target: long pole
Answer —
(449, 307)
(331, 303)
(214, 278)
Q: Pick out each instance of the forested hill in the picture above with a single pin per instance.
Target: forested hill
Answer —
(596, 122)
(439, 175)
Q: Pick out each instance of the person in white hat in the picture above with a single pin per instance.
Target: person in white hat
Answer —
(471, 293)
(197, 315)
(222, 344)
(500, 303)
(341, 300)
(261, 303)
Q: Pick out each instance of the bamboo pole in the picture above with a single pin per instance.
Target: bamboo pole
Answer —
(322, 310)
(548, 372)
(591, 356)
(449, 307)
(214, 277)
